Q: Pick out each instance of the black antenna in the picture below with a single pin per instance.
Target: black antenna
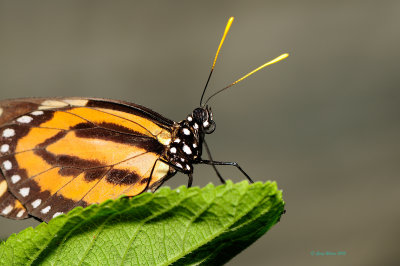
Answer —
(228, 25)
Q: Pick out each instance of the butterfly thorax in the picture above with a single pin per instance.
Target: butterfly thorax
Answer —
(185, 148)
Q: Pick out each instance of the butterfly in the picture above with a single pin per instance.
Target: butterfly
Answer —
(60, 153)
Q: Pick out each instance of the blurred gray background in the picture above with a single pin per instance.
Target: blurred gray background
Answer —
(324, 123)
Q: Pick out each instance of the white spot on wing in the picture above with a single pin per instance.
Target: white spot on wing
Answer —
(8, 132)
(177, 140)
(45, 210)
(24, 119)
(4, 148)
(51, 104)
(196, 126)
(194, 145)
(36, 113)
(186, 149)
(24, 192)
(15, 178)
(20, 213)
(36, 203)
(173, 150)
(57, 214)
(187, 167)
(205, 124)
(7, 209)
(7, 165)
(178, 165)
(189, 118)
(186, 131)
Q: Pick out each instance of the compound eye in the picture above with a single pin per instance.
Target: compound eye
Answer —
(210, 128)
(199, 114)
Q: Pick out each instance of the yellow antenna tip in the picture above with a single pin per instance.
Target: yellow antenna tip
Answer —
(285, 55)
(273, 61)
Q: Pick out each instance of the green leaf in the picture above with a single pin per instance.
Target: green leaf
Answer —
(180, 227)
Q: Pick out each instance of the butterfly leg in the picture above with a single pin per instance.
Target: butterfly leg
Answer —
(228, 163)
(190, 181)
(190, 175)
(146, 189)
(211, 159)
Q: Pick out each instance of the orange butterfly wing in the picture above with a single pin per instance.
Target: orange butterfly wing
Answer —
(75, 152)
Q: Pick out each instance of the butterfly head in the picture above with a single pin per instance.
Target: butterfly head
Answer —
(204, 118)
